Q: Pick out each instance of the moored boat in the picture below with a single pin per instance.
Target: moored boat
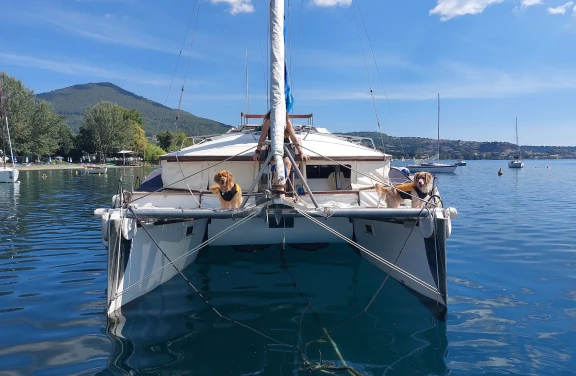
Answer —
(156, 230)
(7, 174)
(96, 169)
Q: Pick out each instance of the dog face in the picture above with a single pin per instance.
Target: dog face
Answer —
(224, 178)
(423, 180)
(222, 189)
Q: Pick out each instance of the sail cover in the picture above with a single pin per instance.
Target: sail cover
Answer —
(277, 94)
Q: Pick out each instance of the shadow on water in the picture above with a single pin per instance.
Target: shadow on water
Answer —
(289, 296)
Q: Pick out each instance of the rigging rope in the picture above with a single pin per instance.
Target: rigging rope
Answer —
(357, 3)
(177, 63)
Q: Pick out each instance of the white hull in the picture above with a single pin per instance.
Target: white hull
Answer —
(417, 256)
(137, 266)
(9, 175)
(515, 164)
(135, 260)
(96, 170)
(433, 168)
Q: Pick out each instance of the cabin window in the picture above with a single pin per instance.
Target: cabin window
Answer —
(189, 230)
(322, 177)
(323, 171)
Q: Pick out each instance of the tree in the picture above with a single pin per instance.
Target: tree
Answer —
(45, 126)
(18, 105)
(165, 140)
(104, 129)
(153, 154)
(36, 129)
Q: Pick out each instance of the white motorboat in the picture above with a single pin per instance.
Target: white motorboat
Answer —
(7, 174)
(95, 169)
(156, 230)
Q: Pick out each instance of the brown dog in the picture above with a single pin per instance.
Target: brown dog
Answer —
(228, 192)
(421, 187)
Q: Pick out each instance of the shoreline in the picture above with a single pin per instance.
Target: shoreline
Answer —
(61, 166)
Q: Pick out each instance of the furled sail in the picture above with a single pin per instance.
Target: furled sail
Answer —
(277, 94)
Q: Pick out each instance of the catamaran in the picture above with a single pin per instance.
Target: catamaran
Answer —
(156, 230)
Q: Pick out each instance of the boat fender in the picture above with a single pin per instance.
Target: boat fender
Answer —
(426, 226)
(105, 219)
(449, 214)
(129, 228)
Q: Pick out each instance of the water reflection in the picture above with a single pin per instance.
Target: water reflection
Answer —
(172, 330)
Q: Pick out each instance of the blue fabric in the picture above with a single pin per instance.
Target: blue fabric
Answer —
(273, 168)
(287, 93)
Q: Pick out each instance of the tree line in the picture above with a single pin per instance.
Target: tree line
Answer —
(37, 131)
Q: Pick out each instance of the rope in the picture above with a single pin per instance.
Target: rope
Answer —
(196, 173)
(370, 253)
(206, 301)
(363, 174)
(187, 67)
(196, 249)
(178, 61)
(182, 171)
(368, 76)
(379, 75)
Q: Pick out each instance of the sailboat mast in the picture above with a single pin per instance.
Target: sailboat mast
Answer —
(10, 142)
(277, 99)
(438, 127)
(247, 103)
(517, 143)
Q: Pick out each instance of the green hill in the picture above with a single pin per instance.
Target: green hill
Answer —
(73, 101)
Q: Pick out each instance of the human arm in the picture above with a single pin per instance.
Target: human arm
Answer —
(296, 141)
(261, 139)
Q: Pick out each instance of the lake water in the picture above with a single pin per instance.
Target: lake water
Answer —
(511, 282)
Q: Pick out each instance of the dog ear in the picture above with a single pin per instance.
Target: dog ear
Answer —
(229, 176)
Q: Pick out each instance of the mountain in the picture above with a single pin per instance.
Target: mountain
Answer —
(73, 101)
(410, 147)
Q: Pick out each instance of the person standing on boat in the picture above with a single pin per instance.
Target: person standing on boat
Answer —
(289, 134)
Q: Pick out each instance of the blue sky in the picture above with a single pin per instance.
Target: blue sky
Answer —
(490, 60)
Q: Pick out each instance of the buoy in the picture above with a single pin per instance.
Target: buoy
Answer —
(500, 172)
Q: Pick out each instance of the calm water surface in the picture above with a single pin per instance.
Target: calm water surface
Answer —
(512, 287)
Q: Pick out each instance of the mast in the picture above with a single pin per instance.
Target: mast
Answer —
(247, 104)
(277, 99)
(517, 143)
(438, 127)
(7, 129)
(10, 142)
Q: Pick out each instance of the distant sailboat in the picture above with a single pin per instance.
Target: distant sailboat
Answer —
(437, 166)
(517, 162)
(7, 174)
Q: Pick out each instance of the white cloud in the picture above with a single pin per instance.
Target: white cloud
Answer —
(529, 3)
(237, 6)
(560, 9)
(448, 9)
(332, 3)
(127, 74)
